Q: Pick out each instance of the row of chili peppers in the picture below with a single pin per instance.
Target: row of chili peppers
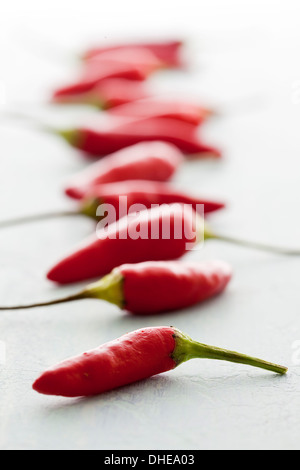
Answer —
(141, 151)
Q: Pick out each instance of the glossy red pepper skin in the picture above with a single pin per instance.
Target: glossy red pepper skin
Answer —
(123, 195)
(132, 65)
(155, 108)
(169, 52)
(183, 135)
(153, 161)
(133, 357)
(102, 252)
(152, 288)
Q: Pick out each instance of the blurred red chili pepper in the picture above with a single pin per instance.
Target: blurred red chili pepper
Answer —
(116, 92)
(169, 52)
(132, 239)
(133, 357)
(155, 107)
(123, 195)
(166, 232)
(107, 94)
(114, 134)
(143, 58)
(89, 81)
(153, 161)
(120, 197)
(133, 64)
(154, 287)
(129, 132)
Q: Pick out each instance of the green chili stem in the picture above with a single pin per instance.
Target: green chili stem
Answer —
(108, 288)
(36, 122)
(187, 349)
(71, 298)
(211, 352)
(37, 218)
(209, 234)
(257, 245)
(88, 209)
(71, 136)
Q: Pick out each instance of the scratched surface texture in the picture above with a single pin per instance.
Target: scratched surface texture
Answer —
(244, 59)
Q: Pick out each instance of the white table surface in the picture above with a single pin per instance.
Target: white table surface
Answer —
(238, 50)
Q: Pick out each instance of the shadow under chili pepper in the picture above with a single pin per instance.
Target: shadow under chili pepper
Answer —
(123, 395)
(167, 387)
(187, 313)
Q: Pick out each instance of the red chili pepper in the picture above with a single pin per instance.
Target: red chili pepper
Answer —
(88, 82)
(108, 94)
(154, 107)
(153, 161)
(169, 52)
(166, 232)
(141, 57)
(119, 135)
(133, 357)
(121, 198)
(90, 208)
(120, 244)
(132, 65)
(123, 195)
(117, 92)
(166, 286)
(154, 287)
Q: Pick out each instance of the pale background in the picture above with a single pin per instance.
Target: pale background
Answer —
(245, 59)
